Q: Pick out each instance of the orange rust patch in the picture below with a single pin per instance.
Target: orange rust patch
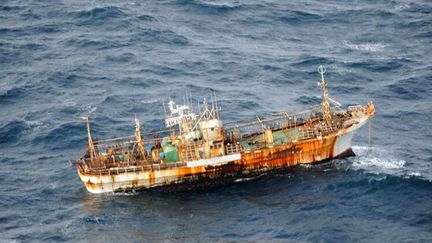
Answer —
(91, 185)
(288, 155)
(151, 177)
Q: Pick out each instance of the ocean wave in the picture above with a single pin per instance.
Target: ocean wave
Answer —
(30, 30)
(408, 89)
(36, 125)
(415, 24)
(374, 162)
(146, 17)
(29, 47)
(248, 178)
(345, 89)
(308, 100)
(378, 161)
(63, 136)
(159, 36)
(99, 14)
(425, 34)
(151, 101)
(212, 5)
(379, 65)
(8, 31)
(11, 8)
(64, 78)
(121, 58)
(11, 131)
(83, 42)
(12, 93)
(125, 194)
(417, 8)
(88, 109)
(368, 46)
(312, 61)
(96, 43)
(29, 15)
(297, 17)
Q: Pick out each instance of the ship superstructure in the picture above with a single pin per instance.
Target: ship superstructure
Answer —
(196, 150)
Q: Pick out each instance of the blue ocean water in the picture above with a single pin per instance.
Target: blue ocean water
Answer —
(112, 59)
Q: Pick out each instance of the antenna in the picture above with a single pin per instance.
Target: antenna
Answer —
(213, 104)
(188, 100)
(199, 107)
(191, 101)
(206, 109)
(217, 107)
(163, 104)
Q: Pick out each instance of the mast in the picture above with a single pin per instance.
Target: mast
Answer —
(138, 137)
(206, 109)
(90, 141)
(325, 105)
(213, 110)
(216, 104)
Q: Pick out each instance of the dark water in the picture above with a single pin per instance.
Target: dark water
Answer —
(111, 59)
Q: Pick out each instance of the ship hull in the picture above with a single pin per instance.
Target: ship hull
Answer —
(199, 174)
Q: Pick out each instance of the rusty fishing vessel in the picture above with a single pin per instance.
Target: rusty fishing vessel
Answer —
(196, 150)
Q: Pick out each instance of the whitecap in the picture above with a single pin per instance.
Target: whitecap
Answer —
(377, 161)
(414, 174)
(89, 109)
(124, 193)
(224, 4)
(248, 178)
(402, 7)
(306, 165)
(383, 163)
(150, 101)
(368, 46)
(33, 124)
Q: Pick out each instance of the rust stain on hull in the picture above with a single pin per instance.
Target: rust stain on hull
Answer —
(252, 163)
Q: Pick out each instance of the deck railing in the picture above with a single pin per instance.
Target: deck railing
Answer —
(233, 148)
(283, 120)
(125, 168)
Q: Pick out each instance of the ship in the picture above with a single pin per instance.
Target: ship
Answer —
(195, 149)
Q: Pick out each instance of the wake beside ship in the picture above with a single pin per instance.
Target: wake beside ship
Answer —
(196, 150)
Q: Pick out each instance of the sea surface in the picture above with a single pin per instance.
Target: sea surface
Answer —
(114, 59)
